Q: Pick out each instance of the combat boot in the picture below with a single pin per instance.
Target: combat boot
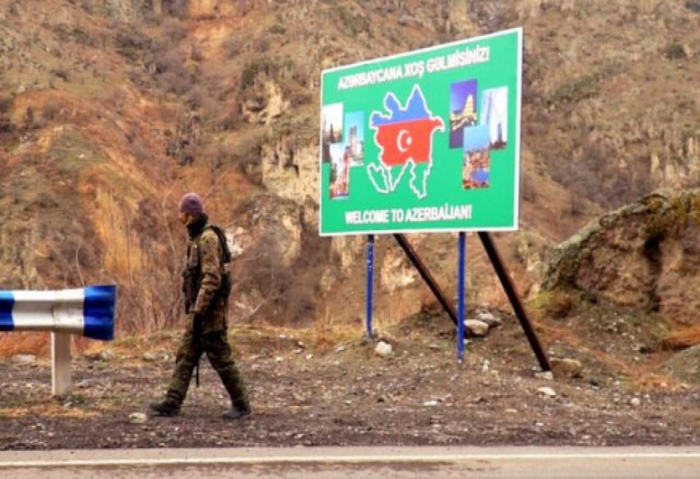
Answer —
(167, 407)
(238, 411)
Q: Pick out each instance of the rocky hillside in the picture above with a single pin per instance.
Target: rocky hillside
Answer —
(637, 256)
(110, 109)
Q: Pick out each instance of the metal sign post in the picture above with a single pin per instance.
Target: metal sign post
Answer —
(461, 293)
(370, 282)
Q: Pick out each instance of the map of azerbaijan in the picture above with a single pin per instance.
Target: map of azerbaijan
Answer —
(405, 138)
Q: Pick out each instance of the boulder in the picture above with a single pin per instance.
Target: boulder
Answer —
(138, 418)
(685, 365)
(547, 392)
(644, 255)
(566, 368)
(476, 328)
(383, 349)
(490, 319)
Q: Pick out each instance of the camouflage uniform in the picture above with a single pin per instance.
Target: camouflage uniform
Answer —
(206, 328)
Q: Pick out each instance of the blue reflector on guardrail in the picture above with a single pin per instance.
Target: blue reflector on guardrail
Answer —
(7, 302)
(98, 311)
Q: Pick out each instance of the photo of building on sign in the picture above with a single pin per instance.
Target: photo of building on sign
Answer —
(463, 110)
(340, 171)
(355, 137)
(494, 115)
(331, 129)
(476, 161)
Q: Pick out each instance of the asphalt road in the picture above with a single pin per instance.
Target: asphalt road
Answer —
(365, 462)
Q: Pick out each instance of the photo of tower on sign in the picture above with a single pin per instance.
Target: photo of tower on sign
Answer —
(494, 115)
(463, 110)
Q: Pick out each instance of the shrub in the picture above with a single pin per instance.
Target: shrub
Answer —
(528, 191)
(675, 51)
(75, 34)
(577, 90)
(233, 46)
(176, 8)
(356, 23)
(132, 44)
(252, 69)
(173, 32)
(277, 29)
(52, 110)
(61, 73)
(559, 305)
(231, 119)
(5, 105)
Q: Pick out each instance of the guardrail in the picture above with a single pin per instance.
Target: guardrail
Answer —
(86, 311)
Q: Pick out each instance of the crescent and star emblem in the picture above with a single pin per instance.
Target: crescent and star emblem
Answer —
(403, 141)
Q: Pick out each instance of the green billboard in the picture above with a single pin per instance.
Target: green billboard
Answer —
(423, 141)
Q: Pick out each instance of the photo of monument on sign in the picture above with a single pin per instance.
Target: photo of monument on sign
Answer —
(494, 115)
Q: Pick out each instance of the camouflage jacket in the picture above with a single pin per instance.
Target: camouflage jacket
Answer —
(204, 253)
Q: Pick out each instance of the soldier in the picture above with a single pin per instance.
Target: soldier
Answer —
(206, 287)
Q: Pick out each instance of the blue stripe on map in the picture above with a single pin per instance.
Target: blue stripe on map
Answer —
(416, 109)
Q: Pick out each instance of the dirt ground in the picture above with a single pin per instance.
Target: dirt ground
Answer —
(311, 389)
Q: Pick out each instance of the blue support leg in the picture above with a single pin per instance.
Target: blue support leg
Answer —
(370, 282)
(461, 293)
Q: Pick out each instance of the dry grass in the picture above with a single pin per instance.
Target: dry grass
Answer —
(13, 343)
(327, 333)
(560, 305)
(644, 376)
(47, 410)
(38, 344)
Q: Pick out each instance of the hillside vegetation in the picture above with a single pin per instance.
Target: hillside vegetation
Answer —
(111, 109)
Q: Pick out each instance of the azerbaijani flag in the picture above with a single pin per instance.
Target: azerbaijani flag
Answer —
(406, 133)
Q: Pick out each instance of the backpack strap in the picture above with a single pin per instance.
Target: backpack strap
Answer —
(226, 257)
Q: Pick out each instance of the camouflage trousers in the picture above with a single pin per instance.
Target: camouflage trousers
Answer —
(215, 345)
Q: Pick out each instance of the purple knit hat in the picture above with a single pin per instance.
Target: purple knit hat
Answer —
(191, 204)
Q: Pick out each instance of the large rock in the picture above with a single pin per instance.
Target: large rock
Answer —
(291, 171)
(476, 328)
(264, 102)
(273, 223)
(383, 349)
(644, 255)
(396, 271)
(685, 365)
(567, 368)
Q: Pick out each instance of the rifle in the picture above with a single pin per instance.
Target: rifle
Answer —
(196, 331)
